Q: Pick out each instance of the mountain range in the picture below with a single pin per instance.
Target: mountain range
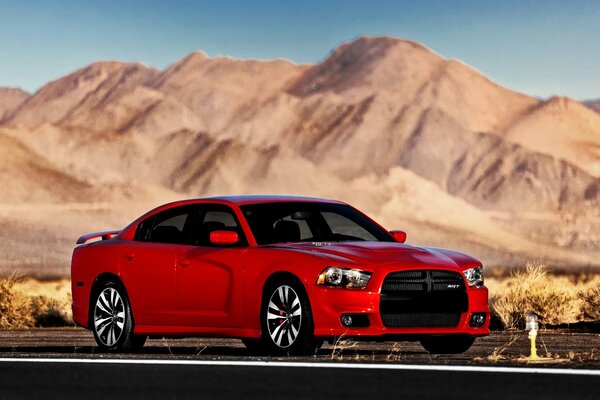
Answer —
(593, 104)
(423, 143)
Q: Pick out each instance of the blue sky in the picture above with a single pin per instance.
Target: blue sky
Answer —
(542, 48)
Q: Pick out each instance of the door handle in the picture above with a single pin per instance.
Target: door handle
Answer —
(184, 263)
(129, 256)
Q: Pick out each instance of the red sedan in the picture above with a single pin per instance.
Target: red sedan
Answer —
(282, 273)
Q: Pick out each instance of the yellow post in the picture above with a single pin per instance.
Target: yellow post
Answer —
(532, 337)
(531, 324)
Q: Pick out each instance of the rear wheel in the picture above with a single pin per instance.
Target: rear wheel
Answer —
(286, 319)
(112, 321)
(447, 344)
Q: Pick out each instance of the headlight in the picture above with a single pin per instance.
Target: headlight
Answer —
(474, 276)
(343, 277)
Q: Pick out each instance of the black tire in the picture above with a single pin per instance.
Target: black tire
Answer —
(447, 344)
(111, 320)
(286, 321)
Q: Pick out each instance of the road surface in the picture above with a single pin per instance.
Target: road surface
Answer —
(65, 364)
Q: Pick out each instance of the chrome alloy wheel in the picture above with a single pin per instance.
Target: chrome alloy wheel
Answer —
(109, 316)
(284, 316)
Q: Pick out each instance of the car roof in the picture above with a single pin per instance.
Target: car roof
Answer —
(269, 198)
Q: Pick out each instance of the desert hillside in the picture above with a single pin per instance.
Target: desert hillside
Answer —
(593, 104)
(10, 100)
(423, 143)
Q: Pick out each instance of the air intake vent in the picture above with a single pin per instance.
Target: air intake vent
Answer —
(423, 298)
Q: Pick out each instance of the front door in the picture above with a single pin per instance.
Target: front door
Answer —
(209, 277)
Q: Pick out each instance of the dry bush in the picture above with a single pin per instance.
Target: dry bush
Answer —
(19, 310)
(555, 299)
(591, 303)
(49, 312)
(14, 306)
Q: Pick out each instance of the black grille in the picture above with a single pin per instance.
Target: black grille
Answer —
(423, 298)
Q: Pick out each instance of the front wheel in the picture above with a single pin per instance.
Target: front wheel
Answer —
(447, 344)
(286, 319)
(112, 321)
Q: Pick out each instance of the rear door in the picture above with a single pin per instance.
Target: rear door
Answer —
(209, 277)
(149, 266)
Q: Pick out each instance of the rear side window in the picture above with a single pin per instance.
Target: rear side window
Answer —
(171, 226)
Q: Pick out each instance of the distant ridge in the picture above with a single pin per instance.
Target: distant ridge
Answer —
(593, 104)
(420, 141)
(10, 100)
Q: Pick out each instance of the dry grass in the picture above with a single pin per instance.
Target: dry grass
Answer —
(28, 308)
(395, 352)
(14, 306)
(591, 302)
(555, 298)
(499, 352)
(340, 345)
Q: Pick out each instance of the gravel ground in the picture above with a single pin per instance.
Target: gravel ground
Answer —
(564, 349)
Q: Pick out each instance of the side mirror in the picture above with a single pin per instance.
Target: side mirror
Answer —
(399, 236)
(223, 238)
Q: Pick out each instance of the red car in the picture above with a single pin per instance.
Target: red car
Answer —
(282, 273)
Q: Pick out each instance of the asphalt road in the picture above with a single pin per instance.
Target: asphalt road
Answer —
(65, 364)
(93, 380)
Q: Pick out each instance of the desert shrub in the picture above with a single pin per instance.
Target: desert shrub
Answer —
(554, 299)
(591, 303)
(14, 306)
(48, 312)
(18, 310)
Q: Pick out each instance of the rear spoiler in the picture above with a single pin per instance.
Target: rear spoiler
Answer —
(104, 235)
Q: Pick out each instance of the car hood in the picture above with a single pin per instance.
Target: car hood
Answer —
(372, 254)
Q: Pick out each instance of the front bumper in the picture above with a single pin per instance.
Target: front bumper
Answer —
(329, 304)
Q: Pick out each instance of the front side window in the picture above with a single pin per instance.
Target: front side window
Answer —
(310, 222)
(214, 217)
(189, 225)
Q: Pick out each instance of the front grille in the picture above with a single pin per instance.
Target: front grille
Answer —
(423, 298)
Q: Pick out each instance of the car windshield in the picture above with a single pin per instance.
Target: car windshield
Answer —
(310, 222)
